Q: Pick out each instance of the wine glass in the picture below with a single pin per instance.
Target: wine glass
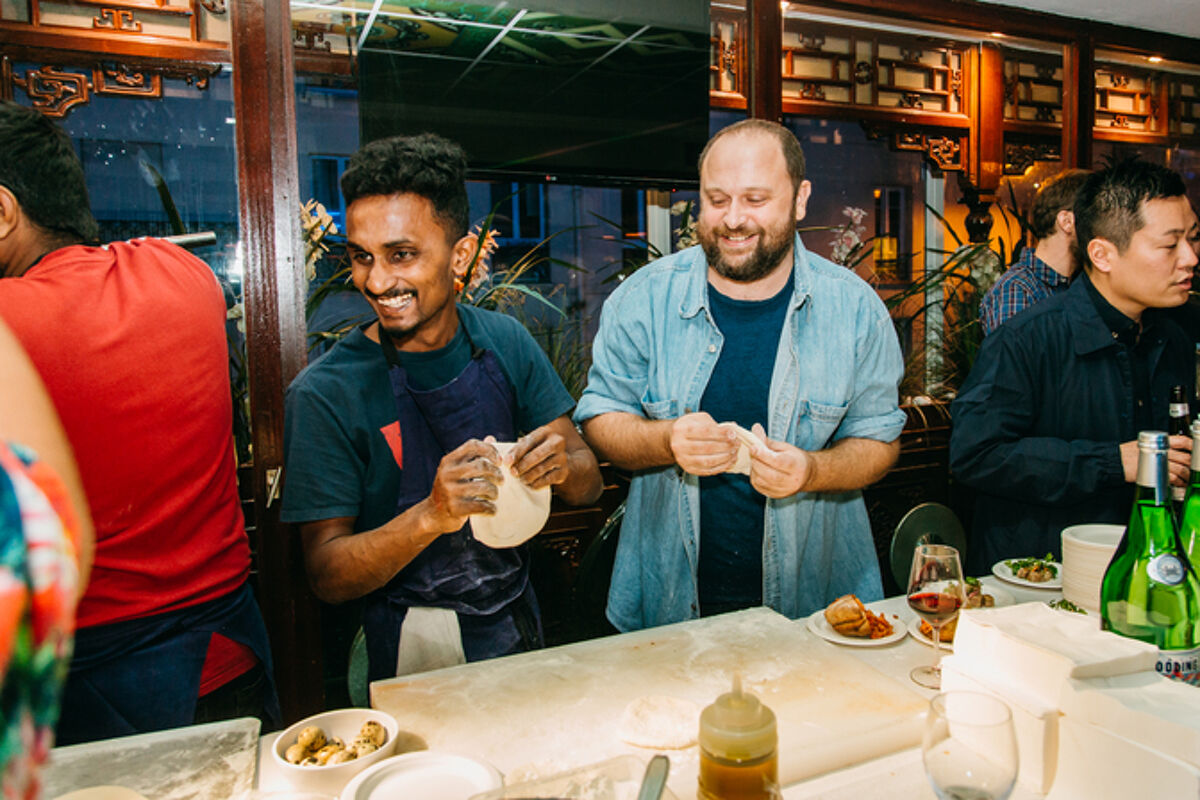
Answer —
(969, 747)
(935, 592)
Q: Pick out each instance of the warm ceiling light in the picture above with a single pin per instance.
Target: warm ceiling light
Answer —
(1154, 59)
(783, 6)
(996, 35)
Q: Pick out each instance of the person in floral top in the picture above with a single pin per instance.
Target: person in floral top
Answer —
(45, 546)
(39, 582)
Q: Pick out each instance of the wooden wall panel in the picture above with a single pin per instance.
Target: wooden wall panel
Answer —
(269, 206)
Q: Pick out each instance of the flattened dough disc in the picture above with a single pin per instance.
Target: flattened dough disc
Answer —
(520, 511)
(660, 722)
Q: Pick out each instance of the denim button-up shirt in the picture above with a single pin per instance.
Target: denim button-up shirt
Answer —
(837, 368)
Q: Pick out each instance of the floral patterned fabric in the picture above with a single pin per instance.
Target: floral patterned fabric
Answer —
(39, 577)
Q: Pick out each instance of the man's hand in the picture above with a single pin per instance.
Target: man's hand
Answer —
(778, 469)
(1179, 460)
(540, 458)
(701, 446)
(466, 483)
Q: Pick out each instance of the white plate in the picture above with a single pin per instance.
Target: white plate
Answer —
(821, 627)
(1002, 571)
(425, 774)
(914, 630)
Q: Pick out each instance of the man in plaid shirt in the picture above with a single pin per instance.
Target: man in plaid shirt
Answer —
(1047, 268)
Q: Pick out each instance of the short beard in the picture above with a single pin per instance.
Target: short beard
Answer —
(771, 248)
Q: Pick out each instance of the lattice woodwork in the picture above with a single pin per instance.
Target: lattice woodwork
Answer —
(1183, 107)
(1128, 99)
(858, 67)
(1020, 155)
(945, 151)
(727, 66)
(1033, 88)
(169, 29)
(54, 90)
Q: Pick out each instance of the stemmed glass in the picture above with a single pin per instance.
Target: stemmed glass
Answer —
(969, 747)
(935, 592)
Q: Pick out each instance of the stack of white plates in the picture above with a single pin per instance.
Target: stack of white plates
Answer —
(1086, 551)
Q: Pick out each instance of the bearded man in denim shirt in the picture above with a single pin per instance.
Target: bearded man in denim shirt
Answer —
(748, 328)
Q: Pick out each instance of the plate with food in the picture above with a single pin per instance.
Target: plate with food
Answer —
(978, 596)
(847, 621)
(922, 631)
(1034, 573)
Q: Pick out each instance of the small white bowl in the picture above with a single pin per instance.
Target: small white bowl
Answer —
(345, 725)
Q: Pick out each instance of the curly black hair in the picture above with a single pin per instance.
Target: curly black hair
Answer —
(42, 171)
(426, 165)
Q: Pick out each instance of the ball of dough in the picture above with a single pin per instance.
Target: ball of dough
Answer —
(373, 732)
(311, 738)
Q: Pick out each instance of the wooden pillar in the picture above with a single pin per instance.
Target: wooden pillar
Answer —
(765, 42)
(985, 153)
(269, 206)
(1079, 102)
(987, 125)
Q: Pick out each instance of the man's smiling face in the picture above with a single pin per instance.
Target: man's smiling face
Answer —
(748, 207)
(404, 263)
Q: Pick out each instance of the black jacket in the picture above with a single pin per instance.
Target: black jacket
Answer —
(1038, 423)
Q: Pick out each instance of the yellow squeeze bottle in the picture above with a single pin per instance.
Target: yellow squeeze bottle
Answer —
(738, 744)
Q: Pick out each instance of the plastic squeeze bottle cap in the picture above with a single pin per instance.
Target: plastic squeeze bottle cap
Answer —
(737, 727)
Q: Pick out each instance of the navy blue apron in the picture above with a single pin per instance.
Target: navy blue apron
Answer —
(489, 589)
(143, 675)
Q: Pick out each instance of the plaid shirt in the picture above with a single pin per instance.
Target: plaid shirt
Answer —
(1026, 282)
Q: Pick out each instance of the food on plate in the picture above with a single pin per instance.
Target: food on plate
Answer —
(660, 722)
(1035, 570)
(848, 616)
(976, 598)
(975, 595)
(313, 749)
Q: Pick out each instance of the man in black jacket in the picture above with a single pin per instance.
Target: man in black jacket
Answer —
(1045, 426)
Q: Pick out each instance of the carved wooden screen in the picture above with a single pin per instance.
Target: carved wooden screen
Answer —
(1184, 106)
(1129, 100)
(864, 68)
(1033, 108)
(101, 47)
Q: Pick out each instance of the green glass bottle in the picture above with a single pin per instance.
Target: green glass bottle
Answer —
(1150, 591)
(1189, 515)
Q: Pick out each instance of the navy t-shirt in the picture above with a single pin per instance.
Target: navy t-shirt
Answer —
(731, 510)
(342, 447)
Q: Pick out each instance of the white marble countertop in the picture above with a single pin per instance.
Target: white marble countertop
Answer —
(899, 776)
